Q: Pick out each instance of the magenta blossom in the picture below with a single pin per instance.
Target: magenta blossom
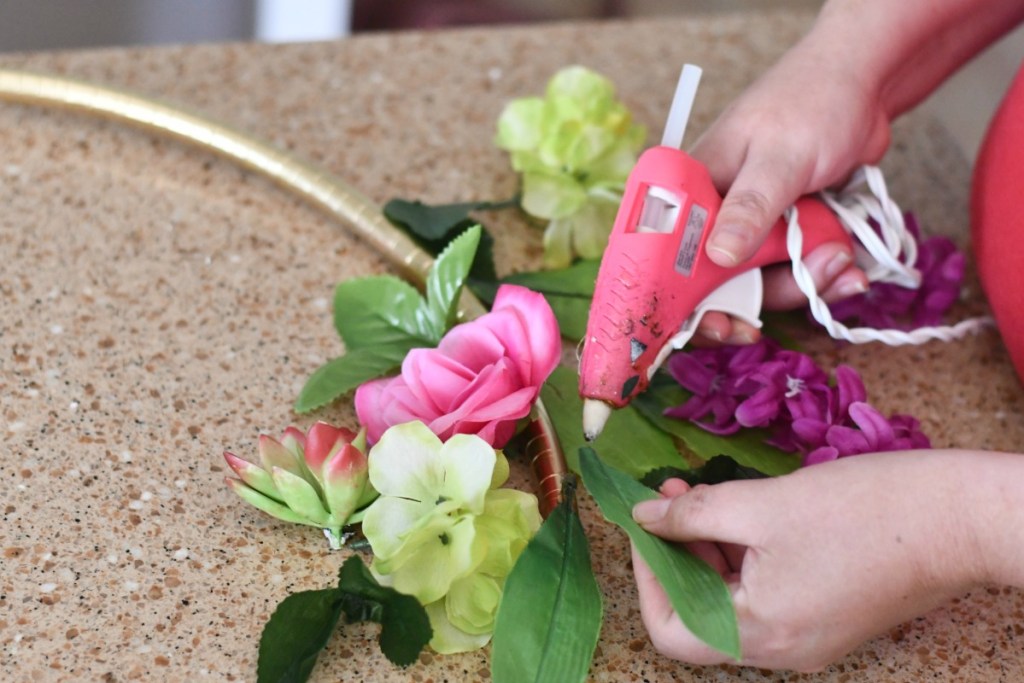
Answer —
(872, 433)
(717, 382)
(785, 392)
(482, 377)
(789, 381)
(890, 306)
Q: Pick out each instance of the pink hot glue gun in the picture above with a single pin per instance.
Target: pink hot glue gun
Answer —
(656, 281)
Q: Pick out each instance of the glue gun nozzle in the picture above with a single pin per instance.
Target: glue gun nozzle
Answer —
(595, 415)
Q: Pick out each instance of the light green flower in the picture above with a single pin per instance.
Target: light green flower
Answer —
(443, 532)
(575, 147)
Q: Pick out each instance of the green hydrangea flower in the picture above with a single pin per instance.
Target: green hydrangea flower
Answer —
(575, 147)
(443, 531)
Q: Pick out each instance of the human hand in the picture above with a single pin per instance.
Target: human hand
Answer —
(820, 560)
(805, 125)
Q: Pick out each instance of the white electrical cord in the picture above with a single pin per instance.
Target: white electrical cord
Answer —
(892, 251)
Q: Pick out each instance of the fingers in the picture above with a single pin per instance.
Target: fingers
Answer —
(717, 328)
(725, 559)
(831, 267)
(763, 188)
(702, 514)
(673, 487)
(668, 634)
(733, 555)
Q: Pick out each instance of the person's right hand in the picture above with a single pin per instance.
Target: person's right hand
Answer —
(805, 125)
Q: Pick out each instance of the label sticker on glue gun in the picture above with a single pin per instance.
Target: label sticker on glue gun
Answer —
(690, 243)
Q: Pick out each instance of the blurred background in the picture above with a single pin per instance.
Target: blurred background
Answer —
(963, 104)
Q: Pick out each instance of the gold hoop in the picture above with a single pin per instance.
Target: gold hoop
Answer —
(310, 182)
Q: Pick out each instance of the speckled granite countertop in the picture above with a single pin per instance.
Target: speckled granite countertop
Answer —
(158, 305)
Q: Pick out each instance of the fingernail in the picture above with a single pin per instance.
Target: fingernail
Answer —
(837, 264)
(851, 287)
(726, 243)
(651, 511)
(742, 338)
(713, 335)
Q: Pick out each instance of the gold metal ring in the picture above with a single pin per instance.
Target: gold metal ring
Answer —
(310, 182)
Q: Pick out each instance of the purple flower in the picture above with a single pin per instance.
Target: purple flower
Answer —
(869, 433)
(717, 378)
(890, 306)
(790, 381)
(762, 385)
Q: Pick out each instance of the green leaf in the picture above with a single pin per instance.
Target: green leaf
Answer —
(629, 441)
(696, 591)
(295, 634)
(430, 222)
(718, 469)
(747, 446)
(300, 496)
(569, 291)
(382, 318)
(433, 227)
(405, 627)
(381, 310)
(303, 622)
(345, 373)
(550, 615)
(265, 503)
(445, 280)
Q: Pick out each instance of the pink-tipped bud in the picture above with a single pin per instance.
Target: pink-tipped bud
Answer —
(273, 454)
(319, 478)
(253, 476)
(323, 441)
(293, 438)
(345, 478)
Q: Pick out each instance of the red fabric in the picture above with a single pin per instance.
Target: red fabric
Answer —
(997, 219)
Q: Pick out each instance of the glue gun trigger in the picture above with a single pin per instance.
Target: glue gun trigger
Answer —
(741, 297)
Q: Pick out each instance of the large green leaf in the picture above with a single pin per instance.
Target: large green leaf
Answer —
(747, 446)
(445, 280)
(550, 615)
(381, 310)
(696, 592)
(297, 631)
(345, 373)
(569, 291)
(629, 441)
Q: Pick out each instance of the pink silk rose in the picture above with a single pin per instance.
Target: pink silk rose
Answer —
(483, 376)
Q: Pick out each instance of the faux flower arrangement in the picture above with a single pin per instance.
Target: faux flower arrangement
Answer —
(458, 560)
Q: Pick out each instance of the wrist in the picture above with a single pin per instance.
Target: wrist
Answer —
(840, 38)
(905, 49)
(994, 484)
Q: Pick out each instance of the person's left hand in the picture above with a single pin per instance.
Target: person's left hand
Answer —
(820, 560)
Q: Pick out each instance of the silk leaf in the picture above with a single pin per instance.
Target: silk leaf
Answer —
(696, 591)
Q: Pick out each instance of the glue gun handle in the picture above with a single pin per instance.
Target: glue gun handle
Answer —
(818, 224)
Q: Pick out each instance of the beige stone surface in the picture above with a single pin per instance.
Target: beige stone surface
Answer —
(159, 305)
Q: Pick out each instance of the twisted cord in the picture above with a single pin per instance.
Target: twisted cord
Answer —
(887, 255)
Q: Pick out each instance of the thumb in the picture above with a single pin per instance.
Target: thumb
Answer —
(705, 513)
(763, 189)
